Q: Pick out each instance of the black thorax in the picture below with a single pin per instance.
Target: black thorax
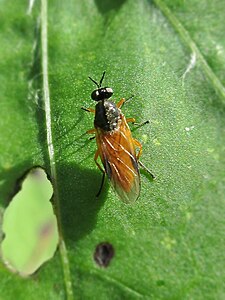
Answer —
(107, 115)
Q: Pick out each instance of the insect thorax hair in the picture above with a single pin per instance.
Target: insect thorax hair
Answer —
(107, 115)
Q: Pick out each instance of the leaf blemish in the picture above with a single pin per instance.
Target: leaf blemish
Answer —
(104, 252)
(190, 66)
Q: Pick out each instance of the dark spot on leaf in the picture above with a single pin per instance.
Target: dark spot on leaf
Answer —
(104, 252)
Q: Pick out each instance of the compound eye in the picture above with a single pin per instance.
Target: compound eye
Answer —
(101, 94)
(108, 92)
(95, 95)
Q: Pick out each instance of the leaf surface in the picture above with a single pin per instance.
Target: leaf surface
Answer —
(169, 244)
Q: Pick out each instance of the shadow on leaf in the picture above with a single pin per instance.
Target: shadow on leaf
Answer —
(11, 180)
(107, 5)
(78, 203)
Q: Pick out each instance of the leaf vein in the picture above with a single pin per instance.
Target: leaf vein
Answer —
(47, 104)
(185, 36)
(121, 284)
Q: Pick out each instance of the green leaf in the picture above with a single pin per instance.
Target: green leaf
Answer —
(171, 56)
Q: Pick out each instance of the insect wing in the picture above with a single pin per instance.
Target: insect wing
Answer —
(118, 156)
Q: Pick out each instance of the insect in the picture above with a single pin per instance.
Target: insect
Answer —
(115, 144)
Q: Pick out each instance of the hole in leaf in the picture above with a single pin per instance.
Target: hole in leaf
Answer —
(29, 225)
(104, 252)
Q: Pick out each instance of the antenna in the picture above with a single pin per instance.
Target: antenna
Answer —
(103, 75)
(95, 82)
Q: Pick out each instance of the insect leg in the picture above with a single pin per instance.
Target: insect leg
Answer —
(88, 109)
(123, 100)
(120, 103)
(100, 168)
(92, 138)
(130, 120)
(95, 159)
(101, 186)
(139, 145)
(141, 124)
(146, 169)
(90, 131)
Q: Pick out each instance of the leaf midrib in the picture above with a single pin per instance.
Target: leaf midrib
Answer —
(51, 153)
